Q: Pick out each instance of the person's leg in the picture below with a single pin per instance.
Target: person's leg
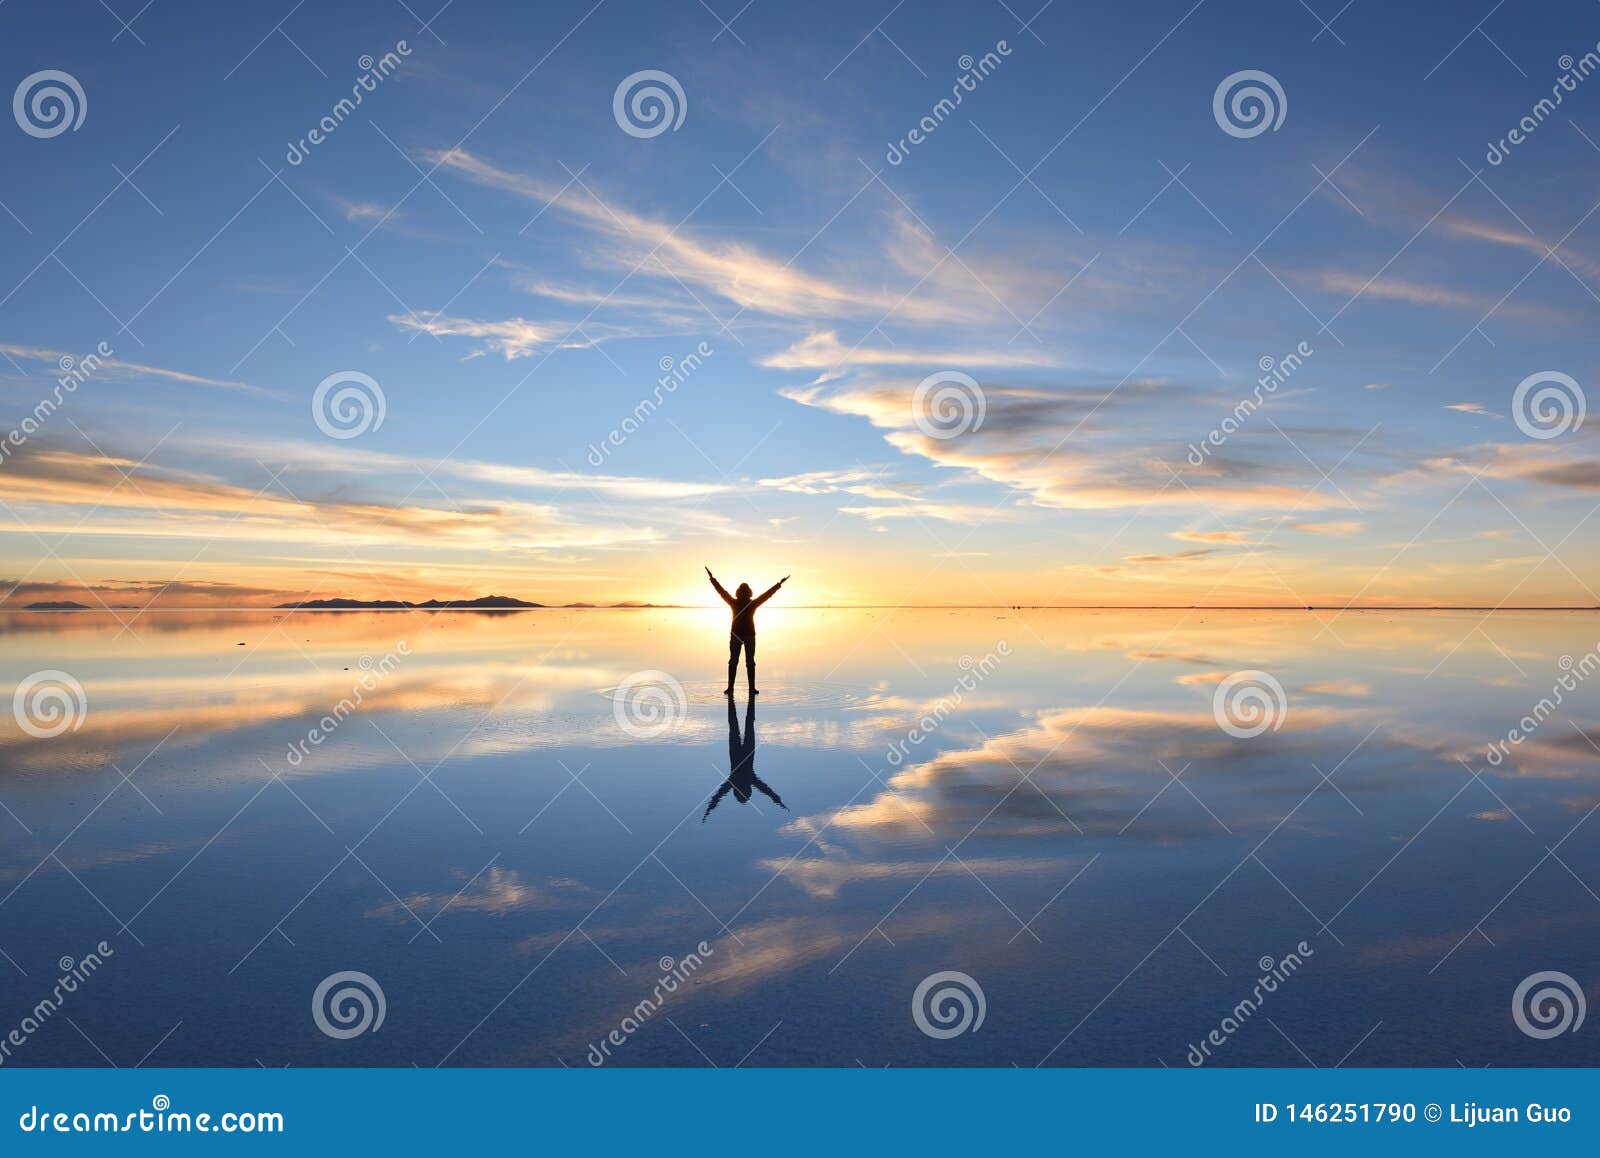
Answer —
(733, 663)
(750, 664)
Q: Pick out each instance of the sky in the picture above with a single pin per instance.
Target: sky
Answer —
(1093, 334)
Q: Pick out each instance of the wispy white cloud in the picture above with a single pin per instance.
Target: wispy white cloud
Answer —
(1189, 556)
(822, 482)
(1053, 446)
(824, 351)
(1419, 293)
(1536, 462)
(117, 369)
(1467, 227)
(739, 273)
(511, 337)
(345, 459)
(49, 488)
(366, 211)
(967, 514)
(1335, 528)
(1213, 536)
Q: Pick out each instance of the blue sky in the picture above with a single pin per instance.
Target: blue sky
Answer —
(1079, 237)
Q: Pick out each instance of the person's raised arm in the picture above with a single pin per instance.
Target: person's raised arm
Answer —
(770, 794)
(726, 598)
(716, 799)
(770, 592)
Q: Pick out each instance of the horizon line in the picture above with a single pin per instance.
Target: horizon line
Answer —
(835, 607)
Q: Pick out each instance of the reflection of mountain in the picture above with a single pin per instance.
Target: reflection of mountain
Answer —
(482, 603)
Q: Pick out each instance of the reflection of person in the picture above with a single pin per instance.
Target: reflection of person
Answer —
(743, 633)
(742, 776)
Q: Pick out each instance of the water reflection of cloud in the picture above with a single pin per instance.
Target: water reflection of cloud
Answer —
(1078, 771)
(1508, 928)
(823, 877)
(497, 891)
(761, 955)
(1573, 754)
(516, 707)
(82, 862)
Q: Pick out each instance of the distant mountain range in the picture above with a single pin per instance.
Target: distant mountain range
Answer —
(484, 603)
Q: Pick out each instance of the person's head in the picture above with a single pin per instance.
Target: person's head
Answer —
(744, 591)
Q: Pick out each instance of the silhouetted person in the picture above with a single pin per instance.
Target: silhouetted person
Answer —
(743, 633)
(742, 762)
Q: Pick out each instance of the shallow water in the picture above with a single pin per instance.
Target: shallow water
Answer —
(506, 828)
